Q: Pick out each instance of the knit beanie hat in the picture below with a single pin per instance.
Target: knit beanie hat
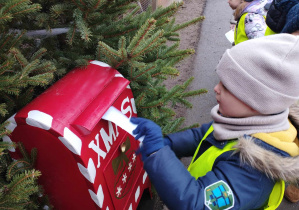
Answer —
(292, 20)
(263, 72)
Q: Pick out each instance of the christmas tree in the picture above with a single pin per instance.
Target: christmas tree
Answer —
(22, 69)
(42, 40)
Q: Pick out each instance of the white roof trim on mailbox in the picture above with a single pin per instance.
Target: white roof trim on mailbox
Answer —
(12, 123)
(39, 119)
(99, 63)
(71, 141)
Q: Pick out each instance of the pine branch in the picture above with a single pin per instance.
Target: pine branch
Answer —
(5, 67)
(146, 70)
(186, 24)
(173, 127)
(82, 26)
(167, 11)
(3, 110)
(194, 93)
(6, 145)
(19, 57)
(9, 86)
(38, 54)
(184, 102)
(24, 98)
(108, 53)
(3, 132)
(5, 18)
(71, 34)
(147, 45)
(195, 125)
(59, 10)
(170, 71)
(143, 33)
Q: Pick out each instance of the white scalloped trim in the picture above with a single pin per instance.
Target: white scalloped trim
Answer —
(90, 172)
(39, 119)
(71, 141)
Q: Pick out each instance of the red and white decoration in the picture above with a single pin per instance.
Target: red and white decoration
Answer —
(86, 162)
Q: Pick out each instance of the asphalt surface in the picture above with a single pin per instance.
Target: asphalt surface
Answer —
(212, 44)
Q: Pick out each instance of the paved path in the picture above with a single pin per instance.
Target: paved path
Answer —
(211, 46)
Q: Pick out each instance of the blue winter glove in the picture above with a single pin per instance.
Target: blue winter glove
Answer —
(153, 139)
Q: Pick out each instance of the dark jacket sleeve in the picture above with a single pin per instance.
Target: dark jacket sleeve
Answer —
(185, 143)
(179, 190)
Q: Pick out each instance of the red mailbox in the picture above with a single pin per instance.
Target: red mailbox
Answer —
(86, 162)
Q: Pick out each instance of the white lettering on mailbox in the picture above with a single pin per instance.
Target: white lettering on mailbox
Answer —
(133, 105)
(107, 138)
(127, 109)
(96, 148)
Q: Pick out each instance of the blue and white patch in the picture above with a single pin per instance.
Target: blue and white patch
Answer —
(219, 196)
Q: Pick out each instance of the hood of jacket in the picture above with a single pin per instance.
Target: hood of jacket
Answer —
(277, 14)
(256, 6)
(273, 164)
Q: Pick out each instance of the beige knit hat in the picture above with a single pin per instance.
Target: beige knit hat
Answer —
(263, 72)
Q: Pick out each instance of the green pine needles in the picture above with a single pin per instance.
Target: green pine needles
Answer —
(18, 181)
(42, 40)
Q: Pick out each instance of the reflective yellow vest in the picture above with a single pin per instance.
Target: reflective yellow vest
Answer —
(205, 162)
(240, 34)
(269, 31)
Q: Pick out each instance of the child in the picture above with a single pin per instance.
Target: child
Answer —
(242, 156)
(250, 17)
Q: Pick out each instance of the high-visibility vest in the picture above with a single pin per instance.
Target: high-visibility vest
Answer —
(269, 31)
(204, 163)
(240, 34)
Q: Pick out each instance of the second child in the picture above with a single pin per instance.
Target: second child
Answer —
(250, 16)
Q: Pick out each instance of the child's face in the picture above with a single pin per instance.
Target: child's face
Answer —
(234, 3)
(229, 105)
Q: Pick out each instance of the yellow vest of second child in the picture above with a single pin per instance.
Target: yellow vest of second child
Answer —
(204, 163)
(240, 34)
(269, 31)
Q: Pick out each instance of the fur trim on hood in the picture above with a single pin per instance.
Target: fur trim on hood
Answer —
(270, 163)
(294, 116)
(273, 165)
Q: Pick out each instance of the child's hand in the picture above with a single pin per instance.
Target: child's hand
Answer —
(232, 27)
(153, 139)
